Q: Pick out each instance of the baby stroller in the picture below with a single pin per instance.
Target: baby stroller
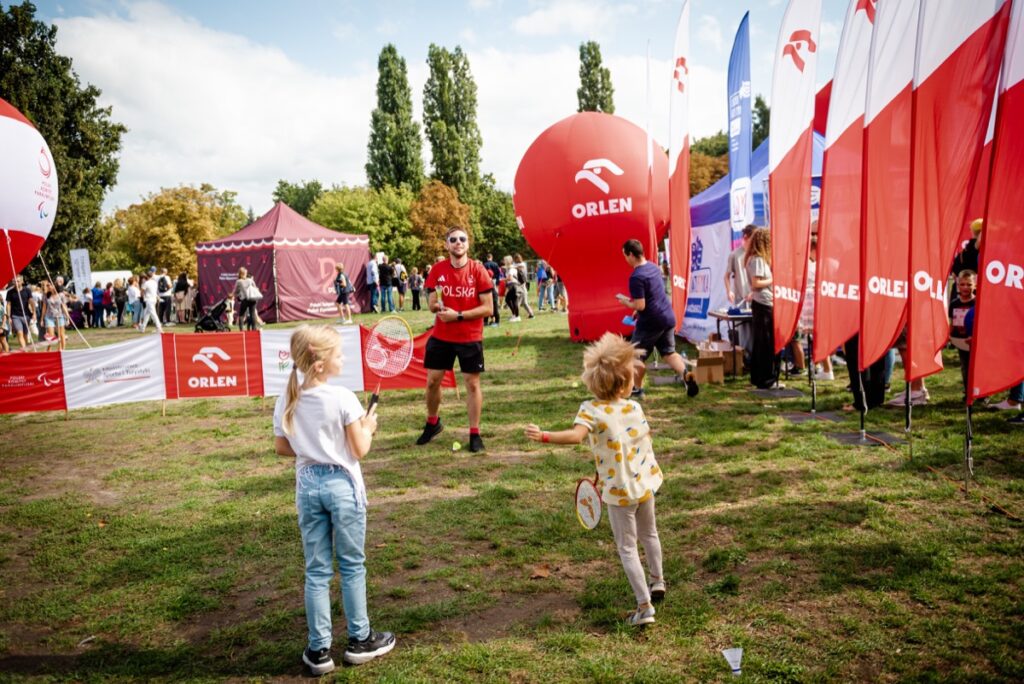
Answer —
(211, 320)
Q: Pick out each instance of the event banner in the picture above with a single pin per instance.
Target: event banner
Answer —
(885, 217)
(790, 145)
(837, 296)
(31, 382)
(115, 374)
(277, 360)
(997, 348)
(221, 365)
(959, 52)
(741, 195)
(679, 169)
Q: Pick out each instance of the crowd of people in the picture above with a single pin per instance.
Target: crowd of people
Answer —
(388, 284)
(748, 278)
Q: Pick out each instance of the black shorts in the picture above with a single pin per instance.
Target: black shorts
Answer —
(662, 340)
(440, 355)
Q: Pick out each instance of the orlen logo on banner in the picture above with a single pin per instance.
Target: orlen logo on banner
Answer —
(800, 40)
(205, 370)
(591, 172)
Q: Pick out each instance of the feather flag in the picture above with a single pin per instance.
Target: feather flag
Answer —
(789, 160)
(997, 345)
(679, 167)
(959, 52)
(837, 295)
(885, 201)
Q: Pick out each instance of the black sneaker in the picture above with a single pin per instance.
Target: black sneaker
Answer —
(319, 662)
(692, 388)
(637, 394)
(475, 443)
(430, 432)
(373, 646)
(1017, 420)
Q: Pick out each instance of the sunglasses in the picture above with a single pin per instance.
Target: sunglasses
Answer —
(458, 238)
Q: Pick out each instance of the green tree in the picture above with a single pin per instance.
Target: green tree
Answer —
(164, 228)
(713, 145)
(395, 150)
(595, 91)
(449, 116)
(299, 196)
(83, 139)
(761, 115)
(494, 217)
(705, 170)
(436, 209)
(382, 215)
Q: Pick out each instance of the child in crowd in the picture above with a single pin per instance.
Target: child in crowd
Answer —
(326, 430)
(415, 285)
(229, 310)
(959, 306)
(620, 439)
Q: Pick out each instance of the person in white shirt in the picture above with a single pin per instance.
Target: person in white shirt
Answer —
(150, 294)
(134, 305)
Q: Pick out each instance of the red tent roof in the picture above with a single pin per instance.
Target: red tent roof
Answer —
(282, 226)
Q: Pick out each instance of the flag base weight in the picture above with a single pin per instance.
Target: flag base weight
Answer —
(869, 439)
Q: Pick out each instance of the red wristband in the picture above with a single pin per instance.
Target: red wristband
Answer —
(545, 437)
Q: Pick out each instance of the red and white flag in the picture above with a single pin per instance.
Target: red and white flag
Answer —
(997, 344)
(789, 160)
(979, 189)
(837, 299)
(959, 52)
(885, 202)
(679, 167)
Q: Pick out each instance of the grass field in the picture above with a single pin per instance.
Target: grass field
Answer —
(136, 546)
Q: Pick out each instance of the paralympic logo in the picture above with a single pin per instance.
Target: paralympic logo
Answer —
(45, 167)
(42, 212)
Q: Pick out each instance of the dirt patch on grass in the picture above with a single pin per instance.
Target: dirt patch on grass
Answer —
(512, 613)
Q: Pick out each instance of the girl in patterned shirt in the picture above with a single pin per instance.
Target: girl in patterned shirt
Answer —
(628, 473)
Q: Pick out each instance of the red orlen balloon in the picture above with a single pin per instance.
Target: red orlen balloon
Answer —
(28, 192)
(580, 192)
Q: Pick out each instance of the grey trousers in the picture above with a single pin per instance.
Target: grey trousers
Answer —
(629, 525)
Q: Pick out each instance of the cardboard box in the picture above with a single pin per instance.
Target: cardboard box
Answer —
(710, 369)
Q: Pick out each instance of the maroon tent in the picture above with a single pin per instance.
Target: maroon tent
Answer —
(292, 261)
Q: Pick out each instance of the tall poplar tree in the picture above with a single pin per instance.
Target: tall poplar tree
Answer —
(449, 117)
(595, 91)
(394, 153)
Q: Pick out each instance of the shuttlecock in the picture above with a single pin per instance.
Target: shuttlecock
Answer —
(456, 446)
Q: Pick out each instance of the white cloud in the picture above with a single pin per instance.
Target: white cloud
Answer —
(207, 106)
(709, 32)
(468, 36)
(593, 18)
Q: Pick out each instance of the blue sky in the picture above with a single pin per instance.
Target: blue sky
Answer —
(242, 94)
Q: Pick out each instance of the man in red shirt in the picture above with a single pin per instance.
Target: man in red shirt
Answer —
(461, 296)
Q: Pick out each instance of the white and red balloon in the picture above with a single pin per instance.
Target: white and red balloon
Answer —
(581, 190)
(28, 191)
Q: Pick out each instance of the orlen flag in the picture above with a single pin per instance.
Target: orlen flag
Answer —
(959, 52)
(679, 161)
(28, 191)
(837, 300)
(225, 365)
(580, 192)
(789, 160)
(997, 346)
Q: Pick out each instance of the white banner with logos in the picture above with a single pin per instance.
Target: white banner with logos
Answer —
(115, 374)
(709, 249)
(277, 360)
(81, 271)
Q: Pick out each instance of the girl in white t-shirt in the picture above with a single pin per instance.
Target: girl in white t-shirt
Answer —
(628, 474)
(326, 430)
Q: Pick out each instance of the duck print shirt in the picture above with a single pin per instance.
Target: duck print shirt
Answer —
(620, 439)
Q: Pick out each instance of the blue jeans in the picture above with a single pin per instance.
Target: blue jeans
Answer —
(332, 521)
(374, 295)
(387, 300)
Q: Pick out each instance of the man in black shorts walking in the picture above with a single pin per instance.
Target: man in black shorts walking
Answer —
(655, 322)
(460, 293)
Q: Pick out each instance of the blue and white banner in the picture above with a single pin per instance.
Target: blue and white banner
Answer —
(741, 195)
